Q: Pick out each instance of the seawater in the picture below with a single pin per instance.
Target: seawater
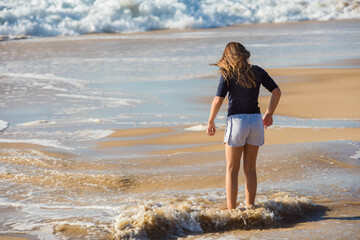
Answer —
(58, 196)
(64, 93)
(75, 89)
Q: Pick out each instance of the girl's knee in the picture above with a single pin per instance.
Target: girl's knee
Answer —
(230, 168)
(249, 170)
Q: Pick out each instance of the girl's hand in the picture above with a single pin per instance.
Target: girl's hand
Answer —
(211, 129)
(267, 119)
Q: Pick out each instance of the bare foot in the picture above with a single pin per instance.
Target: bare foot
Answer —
(250, 207)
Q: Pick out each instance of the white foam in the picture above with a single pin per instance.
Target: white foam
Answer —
(76, 110)
(356, 155)
(35, 123)
(84, 135)
(3, 125)
(42, 142)
(199, 127)
(92, 120)
(196, 215)
(202, 127)
(50, 78)
(63, 17)
(107, 101)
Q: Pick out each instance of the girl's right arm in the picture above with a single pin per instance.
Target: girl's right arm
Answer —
(215, 107)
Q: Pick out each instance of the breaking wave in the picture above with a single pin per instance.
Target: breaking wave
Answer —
(3, 125)
(63, 17)
(196, 215)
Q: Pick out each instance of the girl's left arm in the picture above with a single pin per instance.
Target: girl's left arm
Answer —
(268, 116)
(215, 107)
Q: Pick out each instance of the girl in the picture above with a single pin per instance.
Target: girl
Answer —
(245, 127)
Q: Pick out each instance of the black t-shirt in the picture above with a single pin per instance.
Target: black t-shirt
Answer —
(245, 100)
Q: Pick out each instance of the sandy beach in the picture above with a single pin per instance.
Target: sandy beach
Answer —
(305, 93)
(106, 153)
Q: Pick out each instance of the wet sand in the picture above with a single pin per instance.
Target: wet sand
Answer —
(314, 170)
(13, 238)
(311, 93)
(214, 143)
(341, 220)
(311, 162)
(191, 161)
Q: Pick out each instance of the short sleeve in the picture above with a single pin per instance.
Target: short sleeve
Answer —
(223, 88)
(267, 81)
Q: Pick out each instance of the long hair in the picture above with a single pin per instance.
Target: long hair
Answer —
(234, 64)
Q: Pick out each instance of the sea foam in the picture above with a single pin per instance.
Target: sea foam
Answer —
(196, 215)
(63, 17)
(42, 142)
(3, 125)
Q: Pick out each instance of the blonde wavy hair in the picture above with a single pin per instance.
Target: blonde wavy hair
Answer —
(234, 64)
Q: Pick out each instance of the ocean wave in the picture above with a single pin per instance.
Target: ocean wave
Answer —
(196, 215)
(63, 17)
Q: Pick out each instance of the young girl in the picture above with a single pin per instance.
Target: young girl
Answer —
(245, 127)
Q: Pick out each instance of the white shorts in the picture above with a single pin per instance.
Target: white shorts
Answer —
(244, 129)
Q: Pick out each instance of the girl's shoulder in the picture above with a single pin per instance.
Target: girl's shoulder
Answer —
(257, 68)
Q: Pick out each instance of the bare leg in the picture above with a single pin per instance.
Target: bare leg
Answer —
(250, 155)
(233, 156)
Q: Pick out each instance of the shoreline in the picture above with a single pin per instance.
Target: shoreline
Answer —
(175, 141)
(303, 96)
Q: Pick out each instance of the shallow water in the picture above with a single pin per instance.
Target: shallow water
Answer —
(65, 91)
(46, 194)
